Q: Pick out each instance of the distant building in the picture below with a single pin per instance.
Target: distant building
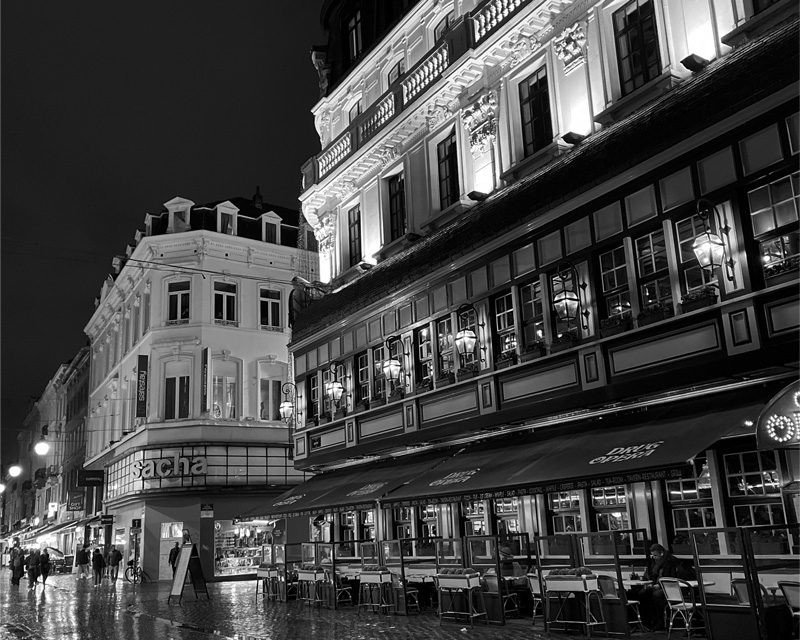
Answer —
(188, 360)
(515, 203)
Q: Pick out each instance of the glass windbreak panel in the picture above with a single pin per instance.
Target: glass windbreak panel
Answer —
(369, 553)
(325, 553)
(308, 552)
(392, 551)
(449, 552)
(482, 553)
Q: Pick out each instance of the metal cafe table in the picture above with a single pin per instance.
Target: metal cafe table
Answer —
(579, 589)
(461, 595)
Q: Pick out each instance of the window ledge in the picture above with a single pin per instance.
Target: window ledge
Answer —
(396, 246)
(227, 323)
(528, 165)
(759, 24)
(630, 103)
(450, 213)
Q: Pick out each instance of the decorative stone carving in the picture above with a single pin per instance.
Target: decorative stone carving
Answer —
(521, 47)
(319, 58)
(570, 45)
(387, 154)
(348, 188)
(325, 233)
(480, 122)
(324, 128)
(435, 115)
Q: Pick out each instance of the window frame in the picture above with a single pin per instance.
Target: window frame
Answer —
(229, 302)
(274, 314)
(398, 215)
(542, 99)
(447, 170)
(643, 77)
(182, 299)
(354, 234)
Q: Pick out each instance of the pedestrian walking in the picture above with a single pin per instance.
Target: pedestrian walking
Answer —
(44, 566)
(98, 565)
(174, 553)
(33, 569)
(112, 560)
(82, 561)
(17, 563)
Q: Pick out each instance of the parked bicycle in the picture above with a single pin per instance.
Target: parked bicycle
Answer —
(134, 573)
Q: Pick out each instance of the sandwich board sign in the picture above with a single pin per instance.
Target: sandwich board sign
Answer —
(188, 563)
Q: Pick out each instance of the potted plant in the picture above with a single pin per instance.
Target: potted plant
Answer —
(655, 312)
(535, 349)
(426, 384)
(765, 542)
(698, 299)
(361, 405)
(469, 370)
(445, 378)
(341, 412)
(397, 393)
(505, 359)
(563, 342)
(782, 271)
(614, 325)
(682, 545)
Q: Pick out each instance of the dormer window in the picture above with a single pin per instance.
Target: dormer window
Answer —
(179, 221)
(271, 228)
(227, 222)
(354, 41)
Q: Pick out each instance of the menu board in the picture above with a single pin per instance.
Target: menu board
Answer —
(188, 563)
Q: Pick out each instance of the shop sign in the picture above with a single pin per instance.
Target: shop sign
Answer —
(75, 501)
(87, 478)
(779, 422)
(107, 519)
(141, 387)
(169, 467)
(621, 454)
(206, 510)
(289, 500)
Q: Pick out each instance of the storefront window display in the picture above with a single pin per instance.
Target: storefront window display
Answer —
(238, 547)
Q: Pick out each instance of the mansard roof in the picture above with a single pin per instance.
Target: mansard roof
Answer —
(728, 85)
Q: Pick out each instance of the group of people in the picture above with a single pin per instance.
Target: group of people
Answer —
(36, 563)
(101, 565)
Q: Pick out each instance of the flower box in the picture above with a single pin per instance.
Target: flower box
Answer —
(651, 317)
(424, 386)
(459, 581)
(570, 583)
(698, 299)
(446, 380)
(505, 360)
(533, 352)
(466, 374)
(615, 328)
(340, 413)
(311, 575)
(397, 394)
(361, 406)
(376, 577)
(563, 345)
(769, 548)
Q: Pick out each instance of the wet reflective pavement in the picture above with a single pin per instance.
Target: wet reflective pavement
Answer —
(68, 608)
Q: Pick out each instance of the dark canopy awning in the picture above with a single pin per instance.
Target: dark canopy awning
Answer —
(348, 489)
(596, 456)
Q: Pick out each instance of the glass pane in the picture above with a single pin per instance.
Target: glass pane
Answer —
(680, 519)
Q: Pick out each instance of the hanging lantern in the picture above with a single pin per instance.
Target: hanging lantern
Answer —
(465, 341)
(391, 369)
(566, 304)
(709, 250)
(286, 410)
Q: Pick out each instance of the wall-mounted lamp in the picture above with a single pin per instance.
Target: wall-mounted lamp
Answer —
(709, 248)
(286, 408)
(333, 388)
(466, 339)
(694, 63)
(570, 137)
(14, 470)
(567, 302)
(392, 366)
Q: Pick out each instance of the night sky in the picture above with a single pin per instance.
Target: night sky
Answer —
(111, 109)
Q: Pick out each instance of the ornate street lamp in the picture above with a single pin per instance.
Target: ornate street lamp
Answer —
(567, 302)
(42, 447)
(709, 248)
(392, 366)
(286, 407)
(465, 338)
(333, 388)
(14, 470)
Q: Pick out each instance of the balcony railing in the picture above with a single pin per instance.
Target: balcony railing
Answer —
(337, 152)
(492, 14)
(425, 73)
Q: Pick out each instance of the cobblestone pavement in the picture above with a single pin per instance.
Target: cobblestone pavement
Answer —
(71, 609)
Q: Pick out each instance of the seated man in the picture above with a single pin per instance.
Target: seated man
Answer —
(652, 603)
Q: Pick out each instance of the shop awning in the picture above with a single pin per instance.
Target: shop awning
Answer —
(592, 457)
(347, 490)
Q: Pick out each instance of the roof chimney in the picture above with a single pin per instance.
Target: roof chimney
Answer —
(258, 201)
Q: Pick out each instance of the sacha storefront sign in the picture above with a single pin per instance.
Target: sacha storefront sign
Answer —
(169, 467)
(779, 422)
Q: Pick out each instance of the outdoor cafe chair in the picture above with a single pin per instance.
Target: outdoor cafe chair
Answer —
(412, 593)
(791, 591)
(675, 592)
(342, 591)
(739, 588)
(608, 591)
(536, 595)
(498, 585)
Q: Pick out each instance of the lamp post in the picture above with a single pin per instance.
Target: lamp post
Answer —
(709, 248)
(567, 302)
(286, 409)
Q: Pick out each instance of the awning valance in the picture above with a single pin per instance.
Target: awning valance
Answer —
(596, 456)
